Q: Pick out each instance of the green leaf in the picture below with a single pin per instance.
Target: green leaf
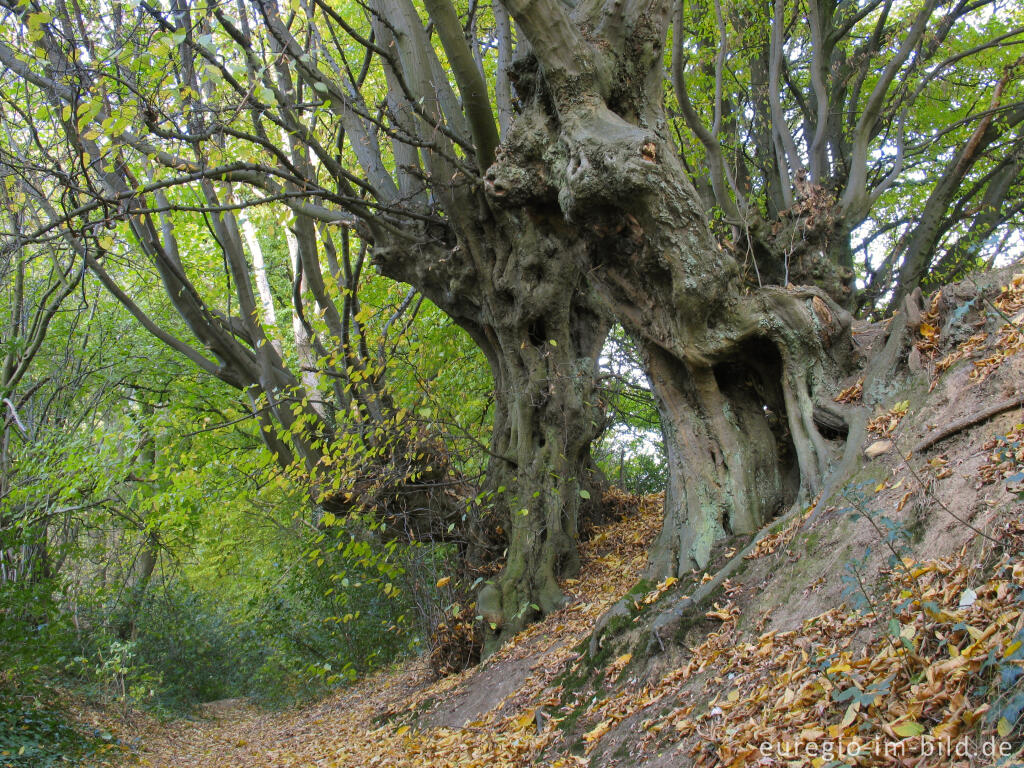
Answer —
(908, 729)
(35, 20)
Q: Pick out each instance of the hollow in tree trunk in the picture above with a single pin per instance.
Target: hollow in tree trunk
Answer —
(736, 368)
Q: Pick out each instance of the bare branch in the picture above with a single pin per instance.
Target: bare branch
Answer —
(785, 148)
(709, 140)
(502, 86)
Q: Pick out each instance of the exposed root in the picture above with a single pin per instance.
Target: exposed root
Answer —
(969, 421)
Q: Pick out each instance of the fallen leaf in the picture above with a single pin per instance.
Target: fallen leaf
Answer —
(908, 729)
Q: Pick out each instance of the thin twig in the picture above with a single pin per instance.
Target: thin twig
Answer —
(923, 486)
(14, 416)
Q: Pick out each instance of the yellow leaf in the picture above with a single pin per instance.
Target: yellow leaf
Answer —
(734, 695)
(851, 714)
(403, 729)
(1003, 727)
(903, 501)
(620, 662)
(443, 582)
(525, 720)
(908, 729)
(598, 731)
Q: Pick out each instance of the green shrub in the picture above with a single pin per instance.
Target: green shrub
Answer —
(336, 615)
(173, 650)
(639, 469)
(173, 646)
(34, 734)
(195, 647)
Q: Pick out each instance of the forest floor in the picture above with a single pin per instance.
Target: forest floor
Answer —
(887, 629)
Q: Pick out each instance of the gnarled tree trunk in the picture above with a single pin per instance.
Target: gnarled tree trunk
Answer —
(547, 416)
(736, 368)
(541, 328)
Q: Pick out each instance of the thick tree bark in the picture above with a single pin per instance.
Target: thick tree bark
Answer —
(720, 412)
(735, 369)
(541, 328)
(547, 416)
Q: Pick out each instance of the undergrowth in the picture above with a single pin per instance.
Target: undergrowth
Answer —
(35, 733)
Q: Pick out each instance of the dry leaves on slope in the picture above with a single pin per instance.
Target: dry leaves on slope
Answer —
(912, 689)
(1008, 341)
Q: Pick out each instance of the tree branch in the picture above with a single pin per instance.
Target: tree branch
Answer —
(969, 421)
(716, 162)
(855, 200)
(471, 83)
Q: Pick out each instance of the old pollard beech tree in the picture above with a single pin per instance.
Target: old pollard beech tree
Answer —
(718, 178)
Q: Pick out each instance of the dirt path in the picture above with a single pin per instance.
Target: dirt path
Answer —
(482, 717)
(234, 733)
